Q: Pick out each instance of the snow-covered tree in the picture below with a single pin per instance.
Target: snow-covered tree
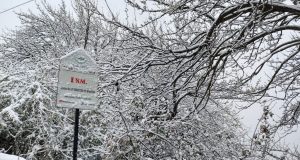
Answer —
(167, 85)
(213, 53)
(31, 124)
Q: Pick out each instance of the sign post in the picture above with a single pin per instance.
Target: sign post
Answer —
(75, 141)
(77, 86)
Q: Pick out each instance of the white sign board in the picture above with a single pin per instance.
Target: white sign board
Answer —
(77, 81)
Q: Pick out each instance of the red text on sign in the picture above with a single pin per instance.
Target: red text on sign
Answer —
(78, 80)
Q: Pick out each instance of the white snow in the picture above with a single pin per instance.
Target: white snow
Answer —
(9, 157)
(78, 60)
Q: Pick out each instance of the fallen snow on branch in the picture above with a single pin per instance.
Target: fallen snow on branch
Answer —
(9, 157)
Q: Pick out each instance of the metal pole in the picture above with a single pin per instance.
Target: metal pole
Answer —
(75, 142)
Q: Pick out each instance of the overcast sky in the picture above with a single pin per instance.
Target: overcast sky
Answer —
(9, 20)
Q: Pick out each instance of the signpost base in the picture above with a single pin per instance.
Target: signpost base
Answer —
(75, 142)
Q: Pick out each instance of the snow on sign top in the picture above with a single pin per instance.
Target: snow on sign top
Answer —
(77, 81)
(78, 61)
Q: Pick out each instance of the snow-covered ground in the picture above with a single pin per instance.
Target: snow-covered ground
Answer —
(9, 157)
